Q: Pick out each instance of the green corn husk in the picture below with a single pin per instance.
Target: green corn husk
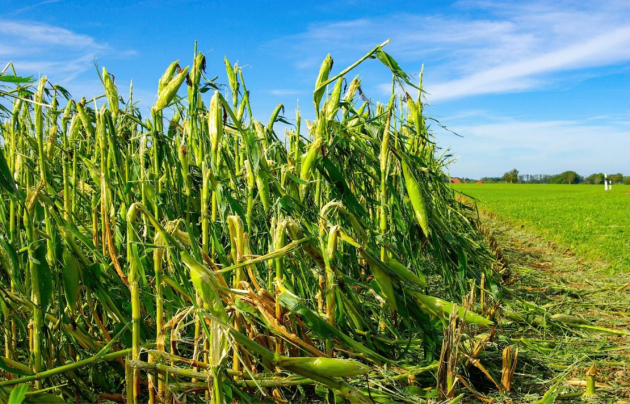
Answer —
(168, 75)
(67, 111)
(262, 184)
(328, 367)
(231, 75)
(332, 105)
(111, 92)
(70, 273)
(385, 283)
(215, 122)
(415, 110)
(274, 116)
(324, 71)
(195, 73)
(309, 160)
(85, 119)
(382, 278)
(417, 201)
(442, 309)
(352, 89)
(333, 236)
(169, 91)
(205, 286)
(568, 319)
(406, 274)
(39, 97)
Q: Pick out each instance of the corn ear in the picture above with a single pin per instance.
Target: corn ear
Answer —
(202, 281)
(262, 183)
(324, 71)
(169, 91)
(382, 278)
(67, 111)
(415, 110)
(358, 226)
(352, 89)
(332, 105)
(274, 117)
(111, 92)
(39, 98)
(415, 195)
(261, 134)
(215, 122)
(327, 367)
(309, 160)
(333, 236)
(168, 75)
(442, 308)
(237, 233)
(70, 273)
(231, 73)
(195, 72)
(405, 273)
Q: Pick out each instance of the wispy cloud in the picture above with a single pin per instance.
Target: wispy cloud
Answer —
(36, 48)
(283, 92)
(608, 48)
(491, 48)
(42, 49)
(42, 35)
(31, 7)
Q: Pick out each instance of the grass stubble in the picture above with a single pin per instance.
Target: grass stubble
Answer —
(577, 315)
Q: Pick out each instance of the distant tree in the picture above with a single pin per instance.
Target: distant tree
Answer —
(511, 176)
(626, 180)
(567, 177)
(616, 178)
(597, 178)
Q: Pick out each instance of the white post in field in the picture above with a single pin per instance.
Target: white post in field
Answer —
(605, 182)
(610, 185)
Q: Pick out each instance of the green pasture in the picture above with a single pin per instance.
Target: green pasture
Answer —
(592, 222)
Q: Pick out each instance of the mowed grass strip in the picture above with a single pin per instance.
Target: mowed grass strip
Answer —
(590, 221)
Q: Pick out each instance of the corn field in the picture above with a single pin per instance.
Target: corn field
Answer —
(196, 255)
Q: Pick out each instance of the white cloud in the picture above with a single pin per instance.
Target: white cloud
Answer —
(43, 35)
(32, 6)
(284, 92)
(38, 49)
(497, 48)
(63, 55)
(605, 49)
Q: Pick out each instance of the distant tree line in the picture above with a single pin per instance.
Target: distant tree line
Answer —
(567, 177)
(599, 179)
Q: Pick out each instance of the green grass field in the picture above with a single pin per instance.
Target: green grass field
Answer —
(593, 223)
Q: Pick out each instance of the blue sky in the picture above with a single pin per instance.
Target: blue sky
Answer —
(538, 86)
